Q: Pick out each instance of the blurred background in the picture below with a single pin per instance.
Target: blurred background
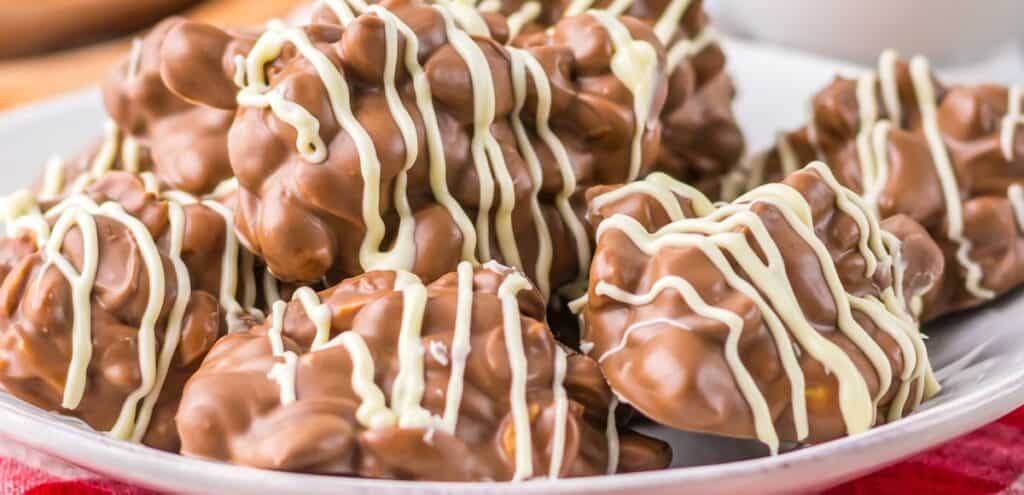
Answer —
(49, 47)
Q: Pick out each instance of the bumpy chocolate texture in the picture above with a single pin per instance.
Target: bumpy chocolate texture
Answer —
(111, 299)
(187, 142)
(149, 129)
(782, 316)
(950, 157)
(700, 139)
(512, 137)
(381, 376)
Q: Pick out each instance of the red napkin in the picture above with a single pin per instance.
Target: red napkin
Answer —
(987, 461)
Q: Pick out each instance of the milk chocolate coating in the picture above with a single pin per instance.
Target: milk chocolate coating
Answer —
(700, 139)
(232, 411)
(188, 143)
(305, 219)
(36, 309)
(674, 369)
(969, 120)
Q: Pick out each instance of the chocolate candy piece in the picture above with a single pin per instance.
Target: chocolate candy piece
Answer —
(381, 376)
(782, 316)
(700, 138)
(949, 157)
(352, 156)
(110, 300)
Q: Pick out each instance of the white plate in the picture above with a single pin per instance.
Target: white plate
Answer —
(980, 358)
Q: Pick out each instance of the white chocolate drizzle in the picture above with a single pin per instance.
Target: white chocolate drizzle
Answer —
(611, 431)
(890, 88)
(406, 410)
(507, 292)
(468, 17)
(577, 7)
(688, 48)
(343, 9)
(81, 283)
(460, 346)
(271, 289)
(561, 413)
(921, 77)
(172, 334)
(407, 390)
(526, 14)
(635, 64)
(1015, 194)
(319, 314)
(1011, 120)
(228, 268)
(667, 25)
(715, 235)
(284, 369)
(53, 178)
(485, 149)
(663, 189)
(542, 85)
(102, 162)
(21, 211)
(268, 47)
(435, 146)
(542, 270)
(763, 424)
(373, 411)
(80, 211)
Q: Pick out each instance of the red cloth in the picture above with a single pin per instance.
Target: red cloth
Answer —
(987, 461)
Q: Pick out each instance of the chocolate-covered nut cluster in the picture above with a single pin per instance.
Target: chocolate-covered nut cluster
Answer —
(110, 300)
(186, 142)
(149, 129)
(781, 316)
(700, 139)
(381, 376)
(950, 157)
(353, 155)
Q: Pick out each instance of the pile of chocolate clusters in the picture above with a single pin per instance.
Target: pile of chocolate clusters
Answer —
(333, 245)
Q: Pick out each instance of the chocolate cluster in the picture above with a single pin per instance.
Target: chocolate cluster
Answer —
(187, 142)
(781, 316)
(352, 155)
(149, 129)
(948, 156)
(700, 139)
(478, 388)
(109, 302)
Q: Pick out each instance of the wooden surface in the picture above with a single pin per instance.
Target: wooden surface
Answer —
(23, 80)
